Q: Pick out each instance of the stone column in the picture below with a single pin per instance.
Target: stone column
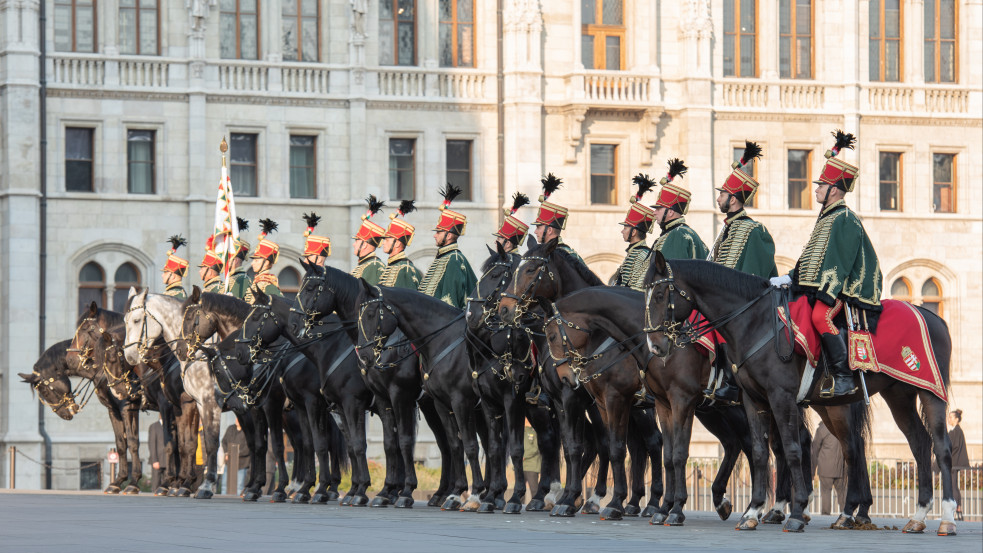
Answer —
(523, 28)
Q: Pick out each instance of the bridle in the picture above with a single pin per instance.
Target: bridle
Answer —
(578, 362)
(84, 354)
(311, 316)
(194, 343)
(85, 387)
(525, 299)
(488, 311)
(143, 347)
(377, 341)
(674, 330)
(255, 342)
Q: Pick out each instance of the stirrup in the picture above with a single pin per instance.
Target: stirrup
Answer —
(824, 392)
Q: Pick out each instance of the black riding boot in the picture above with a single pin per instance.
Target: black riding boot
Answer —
(727, 391)
(834, 350)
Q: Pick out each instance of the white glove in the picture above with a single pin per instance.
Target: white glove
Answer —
(779, 281)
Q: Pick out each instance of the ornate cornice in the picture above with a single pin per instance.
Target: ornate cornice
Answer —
(781, 117)
(929, 120)
(275, 101)
(428, 106)
(97, 94)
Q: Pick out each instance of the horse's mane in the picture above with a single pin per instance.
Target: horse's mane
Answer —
(54, 356)
(718, 276)
(227, 305)
(492, 259)
(580, 267)
(346, 289)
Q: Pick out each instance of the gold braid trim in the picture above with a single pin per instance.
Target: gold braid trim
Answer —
(729, 250)
(632, 271)
(665, 234)
(434, 275)
(813, 254)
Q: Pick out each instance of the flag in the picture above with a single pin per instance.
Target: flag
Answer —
(226, 229)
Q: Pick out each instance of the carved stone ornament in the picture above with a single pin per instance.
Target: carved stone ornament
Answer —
(522, 16)
(198, 14)
(695, 21)
(573, 130)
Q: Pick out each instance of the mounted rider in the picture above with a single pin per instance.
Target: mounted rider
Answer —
(450, 277)
(838, 265)
(367, 239)
(239, 281)
(552, 218)
(677, 240)
(210, 269)
(744, 245)
(317, 249)
(513, 231)
(175, 269)
(266, 255)
(635, 227)
(400, 272)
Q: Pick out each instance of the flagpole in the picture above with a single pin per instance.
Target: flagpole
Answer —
(224, 147)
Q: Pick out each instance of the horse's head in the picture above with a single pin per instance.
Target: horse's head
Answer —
(535, 277)
(666, 306)
(482, 307)
(316, 299)
(377, 321)
(567, 342)
(87, 332)
(53, 386)
(197, 325)
(142, 327)
(119, 374)
(264, 325)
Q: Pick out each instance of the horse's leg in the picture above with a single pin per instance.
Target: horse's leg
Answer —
(673, 495)
(515, 417)
(255, 464)
(495, 444)
(259, 448)
(211, 430)
(547, 427)
(304, 458)
(434, 420)
(354, 410)
(384, 409)
(463, 406)
(317, 414)
(842, 424)
(119, 433)
(404, 411)
(131, 416)
(187, 434)
(293, 425)
(934, 410)
(572, 433)
(169, 427)
(615, 415)
(783, 480)
(602, 448)
(759, 421)
(273, 412)
(338, 449)
(790, 426)
(652, 442)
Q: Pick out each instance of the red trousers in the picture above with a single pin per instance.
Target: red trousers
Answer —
(822, 317)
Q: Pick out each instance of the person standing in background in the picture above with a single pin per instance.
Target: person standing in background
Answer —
(158, 455)
(234, 445)
(827, 457)
(960, 458)
(530, 461)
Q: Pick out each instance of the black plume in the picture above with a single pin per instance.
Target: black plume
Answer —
(450, 192)
(267, 225)
(242, 224)
(677, 168)
(751, 151)
(177, 241)
(644, 182)
(518, 200)
(407, 206)
(312, 219)
(843, 140)
(374, 204)
(550, 184)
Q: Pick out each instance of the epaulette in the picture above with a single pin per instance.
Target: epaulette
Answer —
(266, 278)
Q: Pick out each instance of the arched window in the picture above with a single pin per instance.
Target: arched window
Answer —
(127, 275)
(92, 286)
(932, 296)
(901, 290)
(289, 283)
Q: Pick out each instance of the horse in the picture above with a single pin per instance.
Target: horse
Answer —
(503, 382)
(326, 290)
(567, 275)
(435, 330)
(50, 378)
(732, 301)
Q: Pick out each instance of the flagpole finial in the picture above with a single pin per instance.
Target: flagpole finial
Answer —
(223, 147)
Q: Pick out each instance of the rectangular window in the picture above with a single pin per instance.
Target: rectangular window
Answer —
(301, 30)
(303, 166)
(138, 27)
(78, 159)
(740, 38)
(397, 32)
(795, 40)
(885, 40)
(798, 179)
(459, 166)
(402, 169)
(944, 183)
(239, 29)
(751, 171)
(140, 162)
(940, 41)
(603, 173)
(456, 33)
(242, 163)
(90, 474)
(75, 25)
(603, 34)
(890, 175)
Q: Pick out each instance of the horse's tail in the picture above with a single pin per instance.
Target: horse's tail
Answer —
(938, 332)
(860, 415)
(336, 444)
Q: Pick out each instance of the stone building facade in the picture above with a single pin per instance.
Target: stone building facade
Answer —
(327, 101)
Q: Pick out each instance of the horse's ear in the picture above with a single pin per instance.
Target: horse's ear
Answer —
(546, 305)
(531, 243)
(93, 309)
(490, 250)
(502, 254)
(304, 264)
(29, 378)
(260, 296)
(195, 295)
(141, 293)
(131, 293)
(660, 263)
(550, 246)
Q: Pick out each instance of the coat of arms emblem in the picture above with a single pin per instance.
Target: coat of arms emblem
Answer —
(910, 359)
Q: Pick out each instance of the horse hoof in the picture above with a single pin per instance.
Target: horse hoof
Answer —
(435, 501)
(404, 502)
(250, 496)
(380, 501)
(658, 519)
(204, 494)
(183, 492)
(472, 504)
(773, 516)
(632, 510)
(172, 492)
(747, 524)
(131, 490)
(947, 528)
(331, 495)
(725, 509)
(319, 498)
(161, 492)
(486, 507)
(346, 501)
(794, 525)
(649, 511)
(561, 510)
(301, 497)
(843, 522)
(359, 501)
(590, 508)
(674, 519)
(111, 490)
(914, 527)
(279, 497)
(611, 513)
(512, 509)
(535, 506)
(452, 503)
(499, 503)
(862, 520)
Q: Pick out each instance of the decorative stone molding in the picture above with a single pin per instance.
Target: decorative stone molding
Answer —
(695, 21)
(650, 132)
(573, 131)
(522, 16)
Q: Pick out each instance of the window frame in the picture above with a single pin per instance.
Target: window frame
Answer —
(291, 166)
(74, 24)
(601, 31)
(899, 184)
(90, 161)
(152, 162)
(736, 35)
(136, 9)
(793, 37)
(467, 194)
(413, 162)
(124, 286)
(939, 300)
(238, 32)
(953, 185)
(91, 285)
(883, 40)
(938, 40)
(453, 22)
(255, 165)
(395, 21)
(614, 176)
(300, 20)
(907, 283)
(807, 180)
(289, 289)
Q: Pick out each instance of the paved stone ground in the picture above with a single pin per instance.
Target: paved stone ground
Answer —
(60, 521)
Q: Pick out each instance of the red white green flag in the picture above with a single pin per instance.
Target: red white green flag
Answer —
(226, 229)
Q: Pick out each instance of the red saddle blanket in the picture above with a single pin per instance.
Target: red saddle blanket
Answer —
(902, 347)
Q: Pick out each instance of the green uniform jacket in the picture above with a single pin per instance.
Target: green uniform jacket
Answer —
(239, 283)
(401, 273)
(565, 247)
(633, 269)
(678, 241)
(213, 285)
(449, 278)
(176, 290)
(746, 245)
(839, 261)
(267, 283)
(369, 268)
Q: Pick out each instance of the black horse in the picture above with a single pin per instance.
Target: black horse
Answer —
(770, 380)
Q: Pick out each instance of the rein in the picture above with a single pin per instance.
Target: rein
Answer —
(578, 362)
(525, 300)
(379, 341)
